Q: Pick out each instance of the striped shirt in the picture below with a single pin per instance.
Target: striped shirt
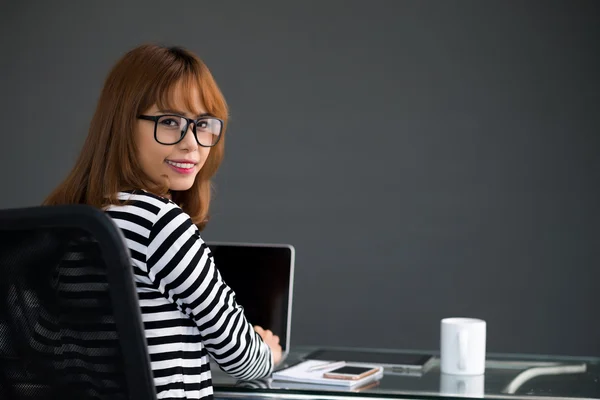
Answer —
(189, 312)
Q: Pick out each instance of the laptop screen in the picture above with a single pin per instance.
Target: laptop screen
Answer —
(261, 277)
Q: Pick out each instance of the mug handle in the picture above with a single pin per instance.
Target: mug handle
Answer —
(463, 337)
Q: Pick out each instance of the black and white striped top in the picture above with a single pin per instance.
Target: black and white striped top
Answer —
(189, 313)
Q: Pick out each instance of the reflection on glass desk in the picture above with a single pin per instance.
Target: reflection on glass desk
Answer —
(508, 376)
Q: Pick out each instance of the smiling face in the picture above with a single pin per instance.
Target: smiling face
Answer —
(178, 163)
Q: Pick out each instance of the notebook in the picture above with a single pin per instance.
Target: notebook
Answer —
(262, 277)
(301, 373)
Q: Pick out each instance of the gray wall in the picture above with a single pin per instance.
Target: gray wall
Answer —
(426, 158)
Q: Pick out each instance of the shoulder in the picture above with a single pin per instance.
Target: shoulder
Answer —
(146, 209)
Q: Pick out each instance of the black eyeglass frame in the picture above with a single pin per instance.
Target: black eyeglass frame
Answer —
(155, 119)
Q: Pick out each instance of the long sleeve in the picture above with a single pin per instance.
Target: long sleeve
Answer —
(181, 267)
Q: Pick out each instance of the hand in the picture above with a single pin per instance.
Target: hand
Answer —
(272, 341)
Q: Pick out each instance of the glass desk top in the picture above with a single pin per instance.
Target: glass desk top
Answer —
(507, 376)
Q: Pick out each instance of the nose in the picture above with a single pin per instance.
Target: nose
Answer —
(189, 142)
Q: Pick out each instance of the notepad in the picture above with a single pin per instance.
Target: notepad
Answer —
(300, 373)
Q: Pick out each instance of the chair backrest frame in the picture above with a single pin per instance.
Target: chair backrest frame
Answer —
(119, 274)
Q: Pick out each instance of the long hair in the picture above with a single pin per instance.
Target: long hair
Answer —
(108, 163)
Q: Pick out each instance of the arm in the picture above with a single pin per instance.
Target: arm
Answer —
(180, 265)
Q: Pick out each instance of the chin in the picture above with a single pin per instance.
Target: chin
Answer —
(181, 186)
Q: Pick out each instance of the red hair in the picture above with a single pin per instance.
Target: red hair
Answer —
(107, 164)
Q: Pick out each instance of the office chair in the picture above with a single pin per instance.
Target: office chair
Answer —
(70, 321)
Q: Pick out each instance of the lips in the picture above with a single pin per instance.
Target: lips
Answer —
(183, 164)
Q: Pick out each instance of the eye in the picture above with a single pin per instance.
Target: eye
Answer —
(169, 122)
(202, 124)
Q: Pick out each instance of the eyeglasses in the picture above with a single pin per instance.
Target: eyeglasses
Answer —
(171, 129)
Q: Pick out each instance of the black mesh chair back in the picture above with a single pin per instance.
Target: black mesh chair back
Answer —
(70, 321)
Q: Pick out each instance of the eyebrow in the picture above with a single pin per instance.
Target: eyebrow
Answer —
(182, 113)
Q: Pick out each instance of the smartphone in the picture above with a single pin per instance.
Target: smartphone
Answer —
(350, 372)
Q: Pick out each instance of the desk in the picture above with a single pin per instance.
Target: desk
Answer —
(508, 376)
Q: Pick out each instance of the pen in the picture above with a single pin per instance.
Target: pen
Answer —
(326, 365)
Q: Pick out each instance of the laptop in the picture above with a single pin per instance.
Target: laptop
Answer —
(262, 277)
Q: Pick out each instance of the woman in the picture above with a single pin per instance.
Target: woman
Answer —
(154, 142)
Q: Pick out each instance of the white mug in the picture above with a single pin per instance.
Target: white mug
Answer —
(462, 385)
(462, 345)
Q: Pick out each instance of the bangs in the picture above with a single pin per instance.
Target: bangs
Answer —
(179, 89)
